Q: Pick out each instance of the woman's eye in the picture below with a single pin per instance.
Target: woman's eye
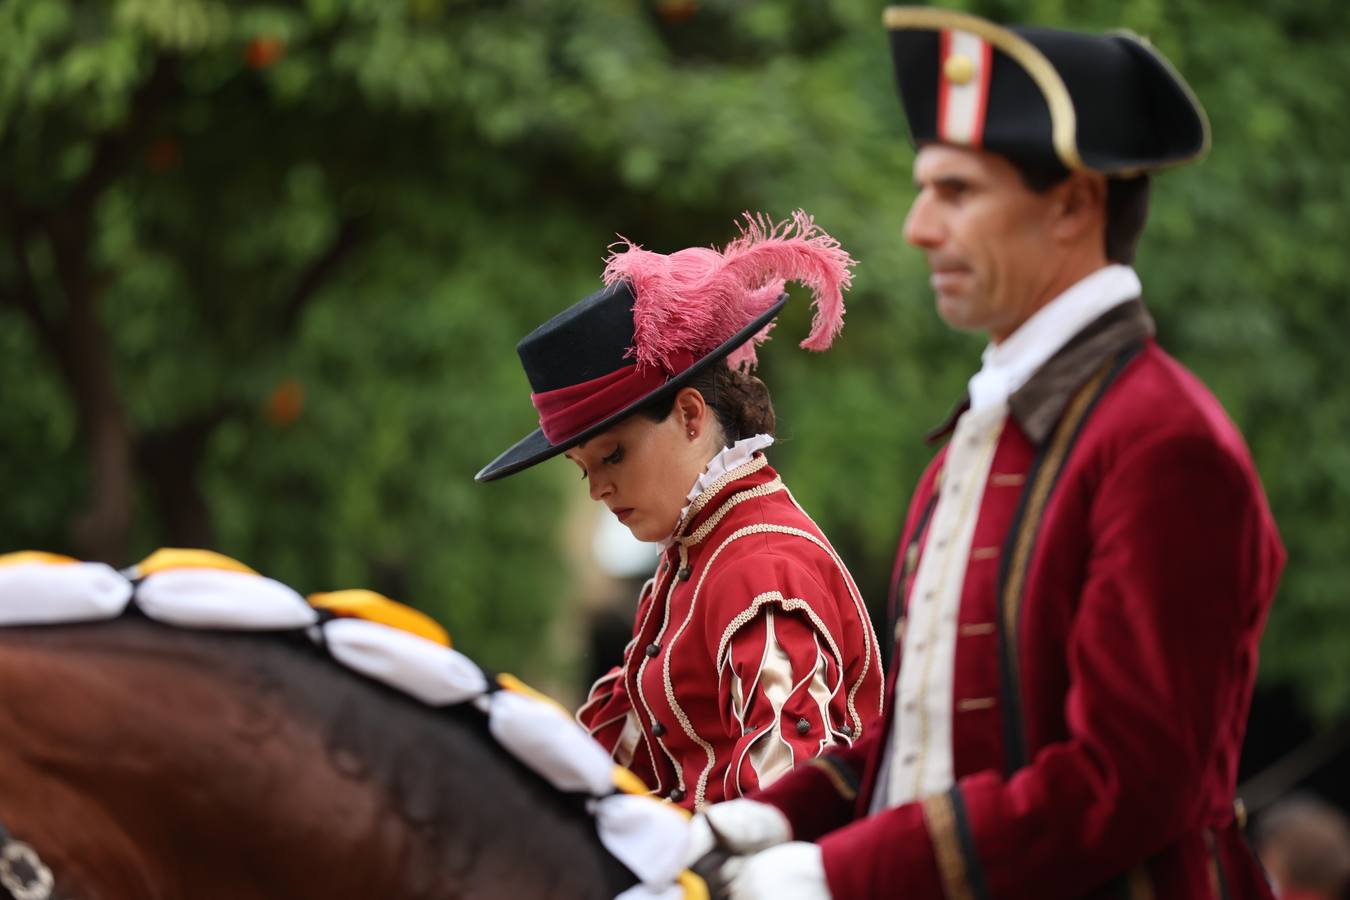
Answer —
(614, 457)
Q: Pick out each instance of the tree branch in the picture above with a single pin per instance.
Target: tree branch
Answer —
(24, 292)
(115, 148)
(351, 234)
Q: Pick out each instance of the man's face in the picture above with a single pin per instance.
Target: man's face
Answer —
(987, 237)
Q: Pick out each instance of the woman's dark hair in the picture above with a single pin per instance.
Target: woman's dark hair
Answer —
(739, 400)
(1126, 206)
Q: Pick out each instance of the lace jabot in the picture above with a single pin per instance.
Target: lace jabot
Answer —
(728, 458)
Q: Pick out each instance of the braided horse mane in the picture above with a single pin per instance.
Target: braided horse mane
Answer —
(144, 761)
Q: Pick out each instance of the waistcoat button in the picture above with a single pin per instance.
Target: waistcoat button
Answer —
(684, 573)
(653, 649)
(803, 726)
(658, 729)
(677, 795)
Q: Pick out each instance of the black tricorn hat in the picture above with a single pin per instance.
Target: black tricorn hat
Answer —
(1043, 97)
(661, 320)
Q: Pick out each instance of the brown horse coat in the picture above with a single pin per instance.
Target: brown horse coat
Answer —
(143, 761)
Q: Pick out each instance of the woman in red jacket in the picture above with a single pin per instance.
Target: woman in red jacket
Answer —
(752, 650)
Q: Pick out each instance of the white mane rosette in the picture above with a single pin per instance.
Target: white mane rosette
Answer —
(199, 589)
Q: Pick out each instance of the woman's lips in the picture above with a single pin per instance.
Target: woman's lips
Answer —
(623, 512)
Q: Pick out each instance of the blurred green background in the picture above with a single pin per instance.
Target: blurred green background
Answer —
(265, 264)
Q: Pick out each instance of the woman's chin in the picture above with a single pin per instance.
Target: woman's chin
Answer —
(641, 534)
(644, 531)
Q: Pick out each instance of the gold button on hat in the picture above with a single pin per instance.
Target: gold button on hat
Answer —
(959, 68)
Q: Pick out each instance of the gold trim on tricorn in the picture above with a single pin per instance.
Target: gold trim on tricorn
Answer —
(1171, 70)
(1063, 119)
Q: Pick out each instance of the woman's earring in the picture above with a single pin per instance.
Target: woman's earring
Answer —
(691, 432)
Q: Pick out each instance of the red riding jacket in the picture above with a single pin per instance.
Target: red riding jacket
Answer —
(751, 651)
(1110, 639)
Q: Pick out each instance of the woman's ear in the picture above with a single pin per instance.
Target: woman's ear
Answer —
(692, 411)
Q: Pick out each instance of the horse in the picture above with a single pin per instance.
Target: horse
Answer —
(143, 761)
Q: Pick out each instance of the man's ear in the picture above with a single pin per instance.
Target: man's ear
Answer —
(1080, 204)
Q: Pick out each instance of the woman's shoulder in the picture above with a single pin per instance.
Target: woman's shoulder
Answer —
(772, 545)
(791, 571)
(770, 507)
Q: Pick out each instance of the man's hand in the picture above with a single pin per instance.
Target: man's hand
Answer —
(721, 836)
(791, 871)
(736, 827)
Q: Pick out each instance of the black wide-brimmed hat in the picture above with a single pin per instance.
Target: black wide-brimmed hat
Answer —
(660, 321)
(1043, 97)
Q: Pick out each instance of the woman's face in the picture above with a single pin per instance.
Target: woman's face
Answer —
(643, 470)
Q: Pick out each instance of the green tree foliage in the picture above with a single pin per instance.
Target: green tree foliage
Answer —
(265, 264)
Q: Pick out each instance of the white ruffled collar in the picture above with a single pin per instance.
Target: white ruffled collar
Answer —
(728, 458)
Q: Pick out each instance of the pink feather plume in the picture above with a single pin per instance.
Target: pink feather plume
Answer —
(697, 299)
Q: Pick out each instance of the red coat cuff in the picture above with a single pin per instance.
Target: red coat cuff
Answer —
(817, 796)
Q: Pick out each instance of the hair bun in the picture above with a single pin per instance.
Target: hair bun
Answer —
(748, 402)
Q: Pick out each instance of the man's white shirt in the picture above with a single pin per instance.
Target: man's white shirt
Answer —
(918, 759)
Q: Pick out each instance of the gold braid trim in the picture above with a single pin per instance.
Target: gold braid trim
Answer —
(940, 816)
(1040, 493)
(647, 735)
(757, 462)
(1138, 884)
(763, 490)
(846, 790)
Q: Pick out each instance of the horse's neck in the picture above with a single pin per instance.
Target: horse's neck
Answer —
(223, 766)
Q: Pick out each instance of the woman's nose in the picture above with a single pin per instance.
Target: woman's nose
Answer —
(600, 486)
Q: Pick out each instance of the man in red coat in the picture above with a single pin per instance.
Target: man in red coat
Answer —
(1086, 566)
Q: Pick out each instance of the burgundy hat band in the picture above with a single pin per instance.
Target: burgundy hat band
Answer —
(568, 411)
